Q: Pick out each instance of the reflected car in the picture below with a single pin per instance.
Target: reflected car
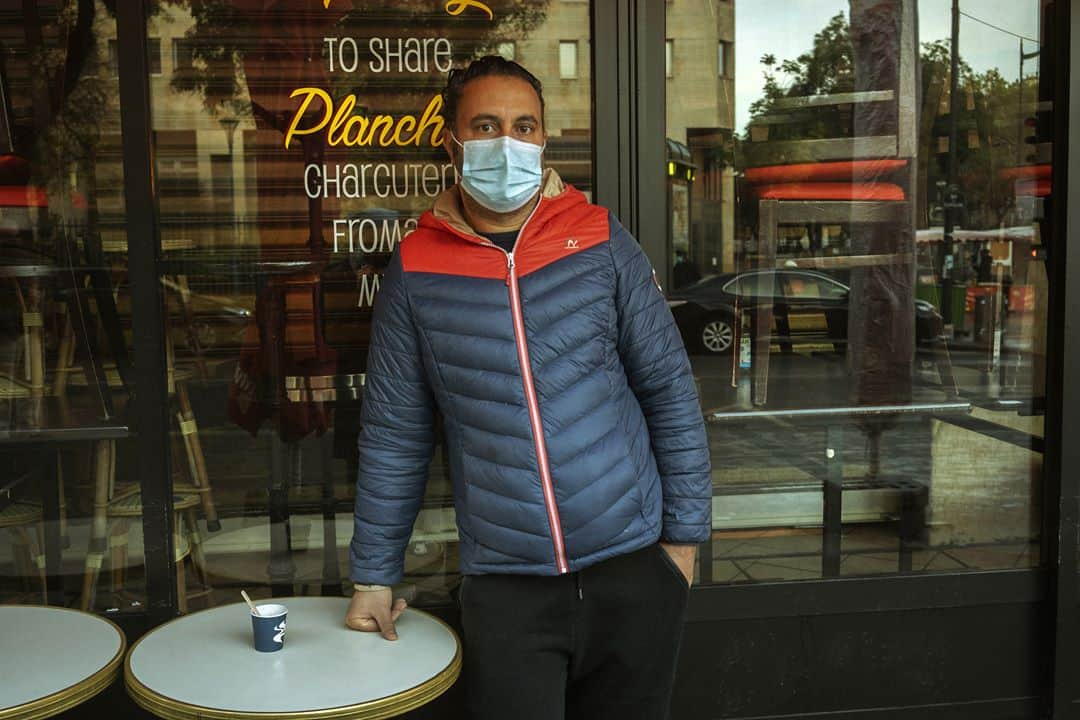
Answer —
(808, 307)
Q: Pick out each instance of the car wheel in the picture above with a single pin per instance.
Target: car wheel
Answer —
(717, 334)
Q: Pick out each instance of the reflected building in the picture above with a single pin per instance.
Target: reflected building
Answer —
(558, 51)
(700, 69)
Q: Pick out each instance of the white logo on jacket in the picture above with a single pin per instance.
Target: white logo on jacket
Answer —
(571, 244)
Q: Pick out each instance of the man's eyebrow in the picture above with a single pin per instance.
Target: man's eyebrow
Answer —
(486, 117)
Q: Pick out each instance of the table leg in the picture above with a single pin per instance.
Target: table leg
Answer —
(331, 584)
(198, 555)
(181, 587)
(187, 317)
(96, 545)
(118, 542)
(96, 382)
(65, 538)
(762, 319)
(913, 501)
(200, 477)
(50, 502)
(282, 569)
(705, 562)
(833, 502)
(65, 355)
(39, 538)
(33, 348)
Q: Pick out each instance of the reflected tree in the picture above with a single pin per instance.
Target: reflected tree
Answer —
(226, 34)
(61, 138)
(991, 119)
(827, 68)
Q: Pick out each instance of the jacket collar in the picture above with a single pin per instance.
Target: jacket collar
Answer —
(447, 208)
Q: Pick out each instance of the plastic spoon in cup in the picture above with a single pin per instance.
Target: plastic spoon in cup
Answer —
(254, 609)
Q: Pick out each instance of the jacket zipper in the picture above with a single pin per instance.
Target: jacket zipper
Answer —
(546, 483)
(534, 417)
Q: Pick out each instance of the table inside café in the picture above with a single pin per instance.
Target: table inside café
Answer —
(52, 659)
(204, 665)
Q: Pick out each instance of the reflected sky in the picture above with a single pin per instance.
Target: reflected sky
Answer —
(760, 29)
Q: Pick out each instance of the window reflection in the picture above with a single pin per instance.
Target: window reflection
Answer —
(869, 328)
(856, 256)
(66, 372)
(297, 145)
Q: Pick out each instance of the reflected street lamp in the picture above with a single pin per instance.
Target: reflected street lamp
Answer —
(228, 124)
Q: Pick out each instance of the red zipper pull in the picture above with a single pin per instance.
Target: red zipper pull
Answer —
(509, 267)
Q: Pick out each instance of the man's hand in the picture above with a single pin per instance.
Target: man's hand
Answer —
(684, 556)
(375, 611)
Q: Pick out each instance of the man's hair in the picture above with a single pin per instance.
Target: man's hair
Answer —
(481, 67)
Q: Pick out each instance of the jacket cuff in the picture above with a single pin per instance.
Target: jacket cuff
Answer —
(368, 576)
(677, 534)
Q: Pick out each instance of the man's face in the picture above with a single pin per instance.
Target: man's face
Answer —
(495, 105)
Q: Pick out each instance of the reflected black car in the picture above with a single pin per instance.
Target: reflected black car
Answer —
(808, 307)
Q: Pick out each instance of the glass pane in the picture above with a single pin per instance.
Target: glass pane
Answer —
(568, 59)
(872, 364)
(750, 285)
(154, 55)
(69, 501)
(276, 228)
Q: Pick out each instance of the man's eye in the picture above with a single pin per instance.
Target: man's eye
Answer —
(485, 128)
(524, 129)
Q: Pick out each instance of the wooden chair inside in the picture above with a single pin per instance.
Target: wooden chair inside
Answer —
(114, 513)
(14, 387)
(24, 521)
(177, 380)
(187, 542)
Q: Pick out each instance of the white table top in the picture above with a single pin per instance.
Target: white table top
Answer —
(52, 659)
(203, 665)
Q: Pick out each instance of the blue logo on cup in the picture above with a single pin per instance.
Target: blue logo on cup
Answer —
(269, 627)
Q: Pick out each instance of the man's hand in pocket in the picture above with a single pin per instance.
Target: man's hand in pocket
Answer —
(685, 556)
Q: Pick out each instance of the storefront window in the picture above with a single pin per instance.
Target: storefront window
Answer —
(297, 143)
(857, 246)
(856, 251)
(70, 506)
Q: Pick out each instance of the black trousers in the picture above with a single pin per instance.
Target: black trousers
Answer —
(601, 643)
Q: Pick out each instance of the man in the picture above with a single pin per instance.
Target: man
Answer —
(532, 321)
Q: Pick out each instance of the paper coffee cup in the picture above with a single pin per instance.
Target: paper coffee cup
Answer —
(269, 627)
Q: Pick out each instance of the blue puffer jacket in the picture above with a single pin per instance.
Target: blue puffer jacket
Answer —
(572, 420)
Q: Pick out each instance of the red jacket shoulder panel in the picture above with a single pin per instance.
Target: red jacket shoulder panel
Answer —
(562, 226)
(568, 225)
(431, 249)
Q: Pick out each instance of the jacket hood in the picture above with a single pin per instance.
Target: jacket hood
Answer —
(447, 211)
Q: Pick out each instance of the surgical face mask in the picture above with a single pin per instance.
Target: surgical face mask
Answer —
(501, 173)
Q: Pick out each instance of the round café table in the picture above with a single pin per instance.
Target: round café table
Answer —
(52, 659)
(204, 665)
